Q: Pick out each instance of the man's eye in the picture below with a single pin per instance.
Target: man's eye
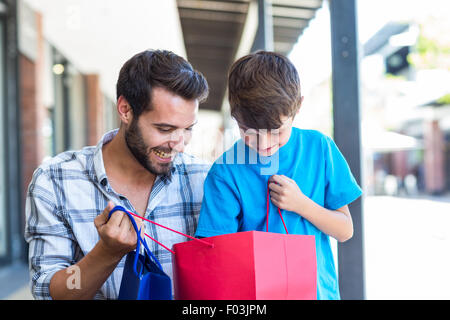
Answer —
(190, 128)
(164, 130)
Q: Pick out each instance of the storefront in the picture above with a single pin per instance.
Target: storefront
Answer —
(12, 247)
(64, 103)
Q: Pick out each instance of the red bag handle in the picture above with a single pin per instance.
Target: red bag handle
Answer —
(160, 225)
(205, 242)
(268, 208)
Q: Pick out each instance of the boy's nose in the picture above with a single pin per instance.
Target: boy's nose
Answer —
(263, 141)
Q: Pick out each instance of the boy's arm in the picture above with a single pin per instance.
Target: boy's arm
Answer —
(286, 195)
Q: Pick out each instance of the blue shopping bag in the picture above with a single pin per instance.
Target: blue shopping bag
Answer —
(143, 277)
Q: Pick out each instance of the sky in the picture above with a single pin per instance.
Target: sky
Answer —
(312, 53)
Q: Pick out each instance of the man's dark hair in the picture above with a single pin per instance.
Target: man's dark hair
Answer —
(158, 69)
(262, 87)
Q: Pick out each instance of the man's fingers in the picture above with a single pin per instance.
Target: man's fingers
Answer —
(102, 218)
(116, 218)
(107, 209)
(139, 223)
(126, 223)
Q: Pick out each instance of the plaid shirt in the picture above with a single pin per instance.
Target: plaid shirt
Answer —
(70, 190)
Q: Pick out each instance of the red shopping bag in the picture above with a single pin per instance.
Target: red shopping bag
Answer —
(246, 266)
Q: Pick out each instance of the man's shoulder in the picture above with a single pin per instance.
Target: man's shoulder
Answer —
(189, 164)
(67, 161)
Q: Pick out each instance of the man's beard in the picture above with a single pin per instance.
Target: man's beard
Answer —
(141, 151)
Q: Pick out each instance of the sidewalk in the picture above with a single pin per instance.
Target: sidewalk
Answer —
(15, 283)
(407, 243)
(407, 251)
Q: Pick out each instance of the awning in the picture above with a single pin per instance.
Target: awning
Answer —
(379, 140)
(213, 29)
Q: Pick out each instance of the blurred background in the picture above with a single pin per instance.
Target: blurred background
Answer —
(375, 77)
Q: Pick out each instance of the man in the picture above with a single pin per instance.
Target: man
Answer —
(75, 252)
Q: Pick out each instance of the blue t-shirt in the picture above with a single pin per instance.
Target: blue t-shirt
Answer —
(235, 194)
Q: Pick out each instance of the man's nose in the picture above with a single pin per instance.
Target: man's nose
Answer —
(177, 142)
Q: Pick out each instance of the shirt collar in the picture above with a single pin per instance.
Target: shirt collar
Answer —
(99, 167)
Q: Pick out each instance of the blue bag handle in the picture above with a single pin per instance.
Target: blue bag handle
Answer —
(139, 240)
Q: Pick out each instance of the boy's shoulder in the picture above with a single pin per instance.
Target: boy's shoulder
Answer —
(313, 138)
(310, 134)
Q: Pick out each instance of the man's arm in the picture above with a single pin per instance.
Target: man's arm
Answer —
(117, 238)
(286, 195)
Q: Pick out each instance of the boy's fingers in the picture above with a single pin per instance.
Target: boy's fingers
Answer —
(286, 179)
(283, 180)
(274, 195)
(275, 202)
(275, 187)
(277, 179)
(290, 180)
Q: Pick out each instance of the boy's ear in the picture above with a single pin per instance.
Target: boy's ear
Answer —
(124, 110)
(301, 102)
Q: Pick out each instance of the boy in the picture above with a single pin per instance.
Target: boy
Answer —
(307, 176)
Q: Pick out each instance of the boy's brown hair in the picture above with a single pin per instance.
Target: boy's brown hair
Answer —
(262, 87)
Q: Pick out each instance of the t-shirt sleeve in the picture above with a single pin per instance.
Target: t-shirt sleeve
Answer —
(220, 209)
(341, 187)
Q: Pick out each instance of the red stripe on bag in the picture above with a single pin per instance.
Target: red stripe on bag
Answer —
(205, 242)
(268, 209)
(160, 225)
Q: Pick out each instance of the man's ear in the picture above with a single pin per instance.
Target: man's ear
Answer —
(124, 110)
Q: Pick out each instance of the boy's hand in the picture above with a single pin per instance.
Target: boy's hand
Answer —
(285, 193)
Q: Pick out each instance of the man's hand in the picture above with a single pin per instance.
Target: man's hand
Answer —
(285, 193)
(117, 238)
(117, 235)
